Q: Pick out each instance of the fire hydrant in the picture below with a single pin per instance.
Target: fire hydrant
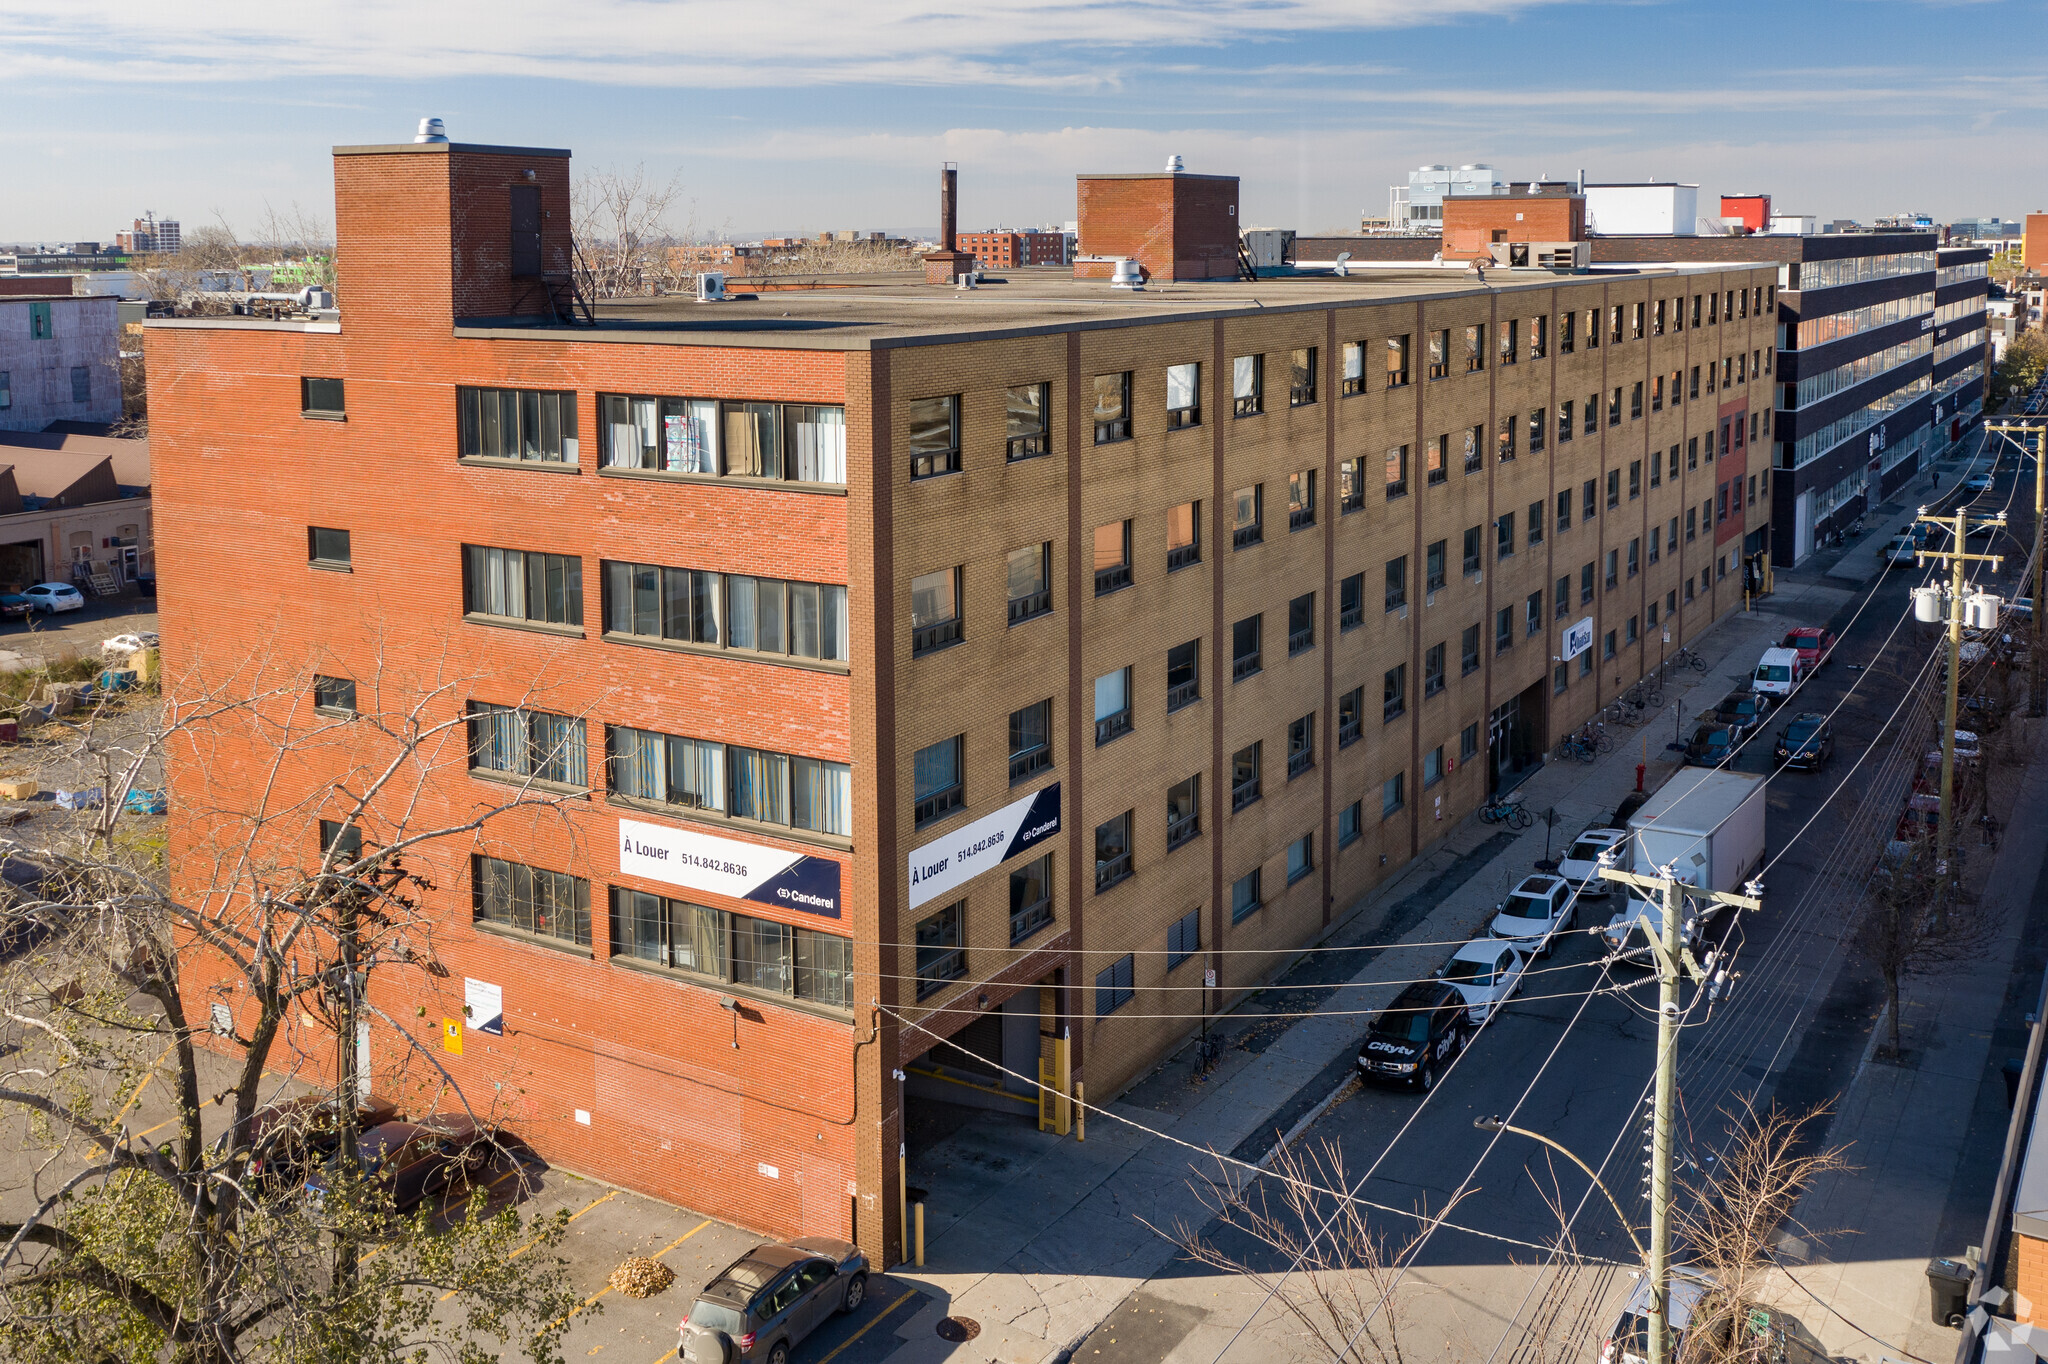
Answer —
(1640, 769)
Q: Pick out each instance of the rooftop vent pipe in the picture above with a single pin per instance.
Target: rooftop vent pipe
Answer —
(431, 130)
(1127, 275)
(1173, 164)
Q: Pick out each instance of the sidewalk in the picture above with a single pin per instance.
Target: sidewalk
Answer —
(1925, 1156)
(1038, 1239)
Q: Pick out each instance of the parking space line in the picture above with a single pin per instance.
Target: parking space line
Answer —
(608, 1288)
(872, 1323)
(536, 1240)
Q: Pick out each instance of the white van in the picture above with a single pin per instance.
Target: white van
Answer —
(1777, 672)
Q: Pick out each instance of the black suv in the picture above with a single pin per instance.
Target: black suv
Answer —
(1414, 1038)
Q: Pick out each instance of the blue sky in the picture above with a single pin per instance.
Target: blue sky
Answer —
(799, 116)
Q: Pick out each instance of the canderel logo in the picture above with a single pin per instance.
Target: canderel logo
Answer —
(801, 898)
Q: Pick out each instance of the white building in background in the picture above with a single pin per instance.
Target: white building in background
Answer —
(1793, 224)
(1642, 209)
(1418, 206)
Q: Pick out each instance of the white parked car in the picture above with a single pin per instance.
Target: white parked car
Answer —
(120, 646)
(1580, 866)
(1485, 971)
(49, 598)
(1777, 673)
(1534, 913)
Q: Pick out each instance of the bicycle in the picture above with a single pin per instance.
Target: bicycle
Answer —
(1594, 734)
(1686, 658)
(1504, 810)
(1644, 695)
(1624, 712)
(1576, 746)
(1208, 1051)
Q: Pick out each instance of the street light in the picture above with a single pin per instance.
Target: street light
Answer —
(1496, 1125)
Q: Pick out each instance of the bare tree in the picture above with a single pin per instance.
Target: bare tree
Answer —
(1730, 1221)
(619, 227)
(1917, 924)
(304, 240)
(292, 921)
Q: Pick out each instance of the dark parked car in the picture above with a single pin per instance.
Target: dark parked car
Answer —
(1415, 1037)
(410, 1161)
(1711, 745)
(1742, 711)
(764, 1303)
(14, 606)
(1808, 742)
(287, 1139)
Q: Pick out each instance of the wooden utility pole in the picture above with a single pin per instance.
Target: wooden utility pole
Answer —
(1959, 526)
(2037, 683)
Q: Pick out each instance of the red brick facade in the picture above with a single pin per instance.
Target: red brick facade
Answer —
(1472, 223)
(1178, 226)
(1008, 250)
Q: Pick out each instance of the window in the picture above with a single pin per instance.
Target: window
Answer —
(1564, 509)
(1112, 557)
(1691, 523)
(1350, 717)
(941, 952)
(1504, 438)
(1393, 795)
(1030, 741)
(1614, 324)
(1350, 485)
(334, 695)
(1591, 413)
(1692, 452)
(1183, 675)
(1468, 651)
(1657, 319)
(1613, 490)
(934, 610)
(1504, 629)
(1397, 470)
(1535, 524)
(1433, 564)
(1567, 332)
(1112, 851)
(1475, 348)
(1301, 624)
(1472, 550)
(766, 615)
(1656, 539)
(1247, 385)
(1468, 742)
(1112, 705)
(1301, 857)
(1244, 776)
(549, 904)
(934, 436)
(1635, 479)
(1629, 629)
(81, 384)
(1026, 429)
(1752, 490)
(1183, 536)
(1397, 361)
(1657, 467)
(1030, 898)
(1585, 584)
(1509, 332)
(1244, 897)
(1613, 568)
(1433, 766)
(342, 839)
(1301, 377)
(1350, 823)
(1614, 407)
(1028, 574)
(1245, 528)
(1608, 645)
(1112, 413)
(1301, 500)
(1244, 648)
(1694, 385)
(1688, 589)
(1635, 400)
(1695, 311)
(1113, 986)
(317, 397)
(1650, 616)
(40, 327)
(1435, 461)
(1301, 745)
(1532, 620)
(6, 390)
(680, 435)
(1433, 670)
(1592, 329)
(1397, 583)
(1183, 811)
(1634, 554)
(1560, 679)
(1475, 448)
(517, 585)
(1671, 602)
(937, 786)
(1351, 602)
(1183, 938)
(1183, 396)
(1563, 597)
(527, 743)
(327, 547)
(1439, 353)
(1539, 422)
(1353, 359)
(1394, 692)
(1564, 421)
(1504, 536)
(1657, 393)
(516, 424)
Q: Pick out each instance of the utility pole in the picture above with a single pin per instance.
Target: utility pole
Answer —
(2037, 687)
(1957, 557)
(1673, 957)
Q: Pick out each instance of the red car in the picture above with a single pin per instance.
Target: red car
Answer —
(1813, 643)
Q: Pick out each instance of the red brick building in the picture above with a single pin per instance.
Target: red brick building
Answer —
(928, 681)
(1176, 225)
(1000, 250)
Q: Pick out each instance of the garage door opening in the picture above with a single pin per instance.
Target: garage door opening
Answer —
(21, 565)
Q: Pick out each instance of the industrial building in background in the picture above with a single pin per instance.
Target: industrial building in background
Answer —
(149, 236)
(936, 681)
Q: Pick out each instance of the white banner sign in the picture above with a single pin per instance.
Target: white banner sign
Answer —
(726, 866)
(952, 860)
(483, 1007)
(1578, 637)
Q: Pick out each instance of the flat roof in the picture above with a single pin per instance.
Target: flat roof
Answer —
(425, 148)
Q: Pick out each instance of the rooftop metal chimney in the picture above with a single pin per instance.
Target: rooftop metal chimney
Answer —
(431, 130)
(949, 207)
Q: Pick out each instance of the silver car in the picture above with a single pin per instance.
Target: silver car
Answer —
(763, 1305)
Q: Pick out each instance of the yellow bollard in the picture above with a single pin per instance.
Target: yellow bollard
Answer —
(919, 1207)
(1080, 1111)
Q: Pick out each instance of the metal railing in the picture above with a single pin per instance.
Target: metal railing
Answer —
(1115, 869)
(940, 804)
(1029, 764)
(1024, 608)
(1243, 667)
(1111, 578)
(1180, 556)
(1111, 726)
(1244, 793)
(1181, 830)
(930, 637)
(1183, 694)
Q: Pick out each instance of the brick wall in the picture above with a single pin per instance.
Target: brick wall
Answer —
(1178, 227)
(1471, 223)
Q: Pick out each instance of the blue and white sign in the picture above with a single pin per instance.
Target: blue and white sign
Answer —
(1578, 637)
(726, 866)
(952, 860)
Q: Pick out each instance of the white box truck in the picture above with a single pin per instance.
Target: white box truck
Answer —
(1708, 826)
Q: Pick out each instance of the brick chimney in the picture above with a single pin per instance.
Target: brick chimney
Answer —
(948, 263)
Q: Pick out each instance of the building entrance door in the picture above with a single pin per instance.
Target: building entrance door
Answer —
(1514, 739)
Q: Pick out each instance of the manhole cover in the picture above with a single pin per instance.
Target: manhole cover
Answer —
(957, 1329)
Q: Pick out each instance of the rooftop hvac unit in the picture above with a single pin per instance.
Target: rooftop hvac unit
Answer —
(1127, 275)
(711, 286)
(1543, 255)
